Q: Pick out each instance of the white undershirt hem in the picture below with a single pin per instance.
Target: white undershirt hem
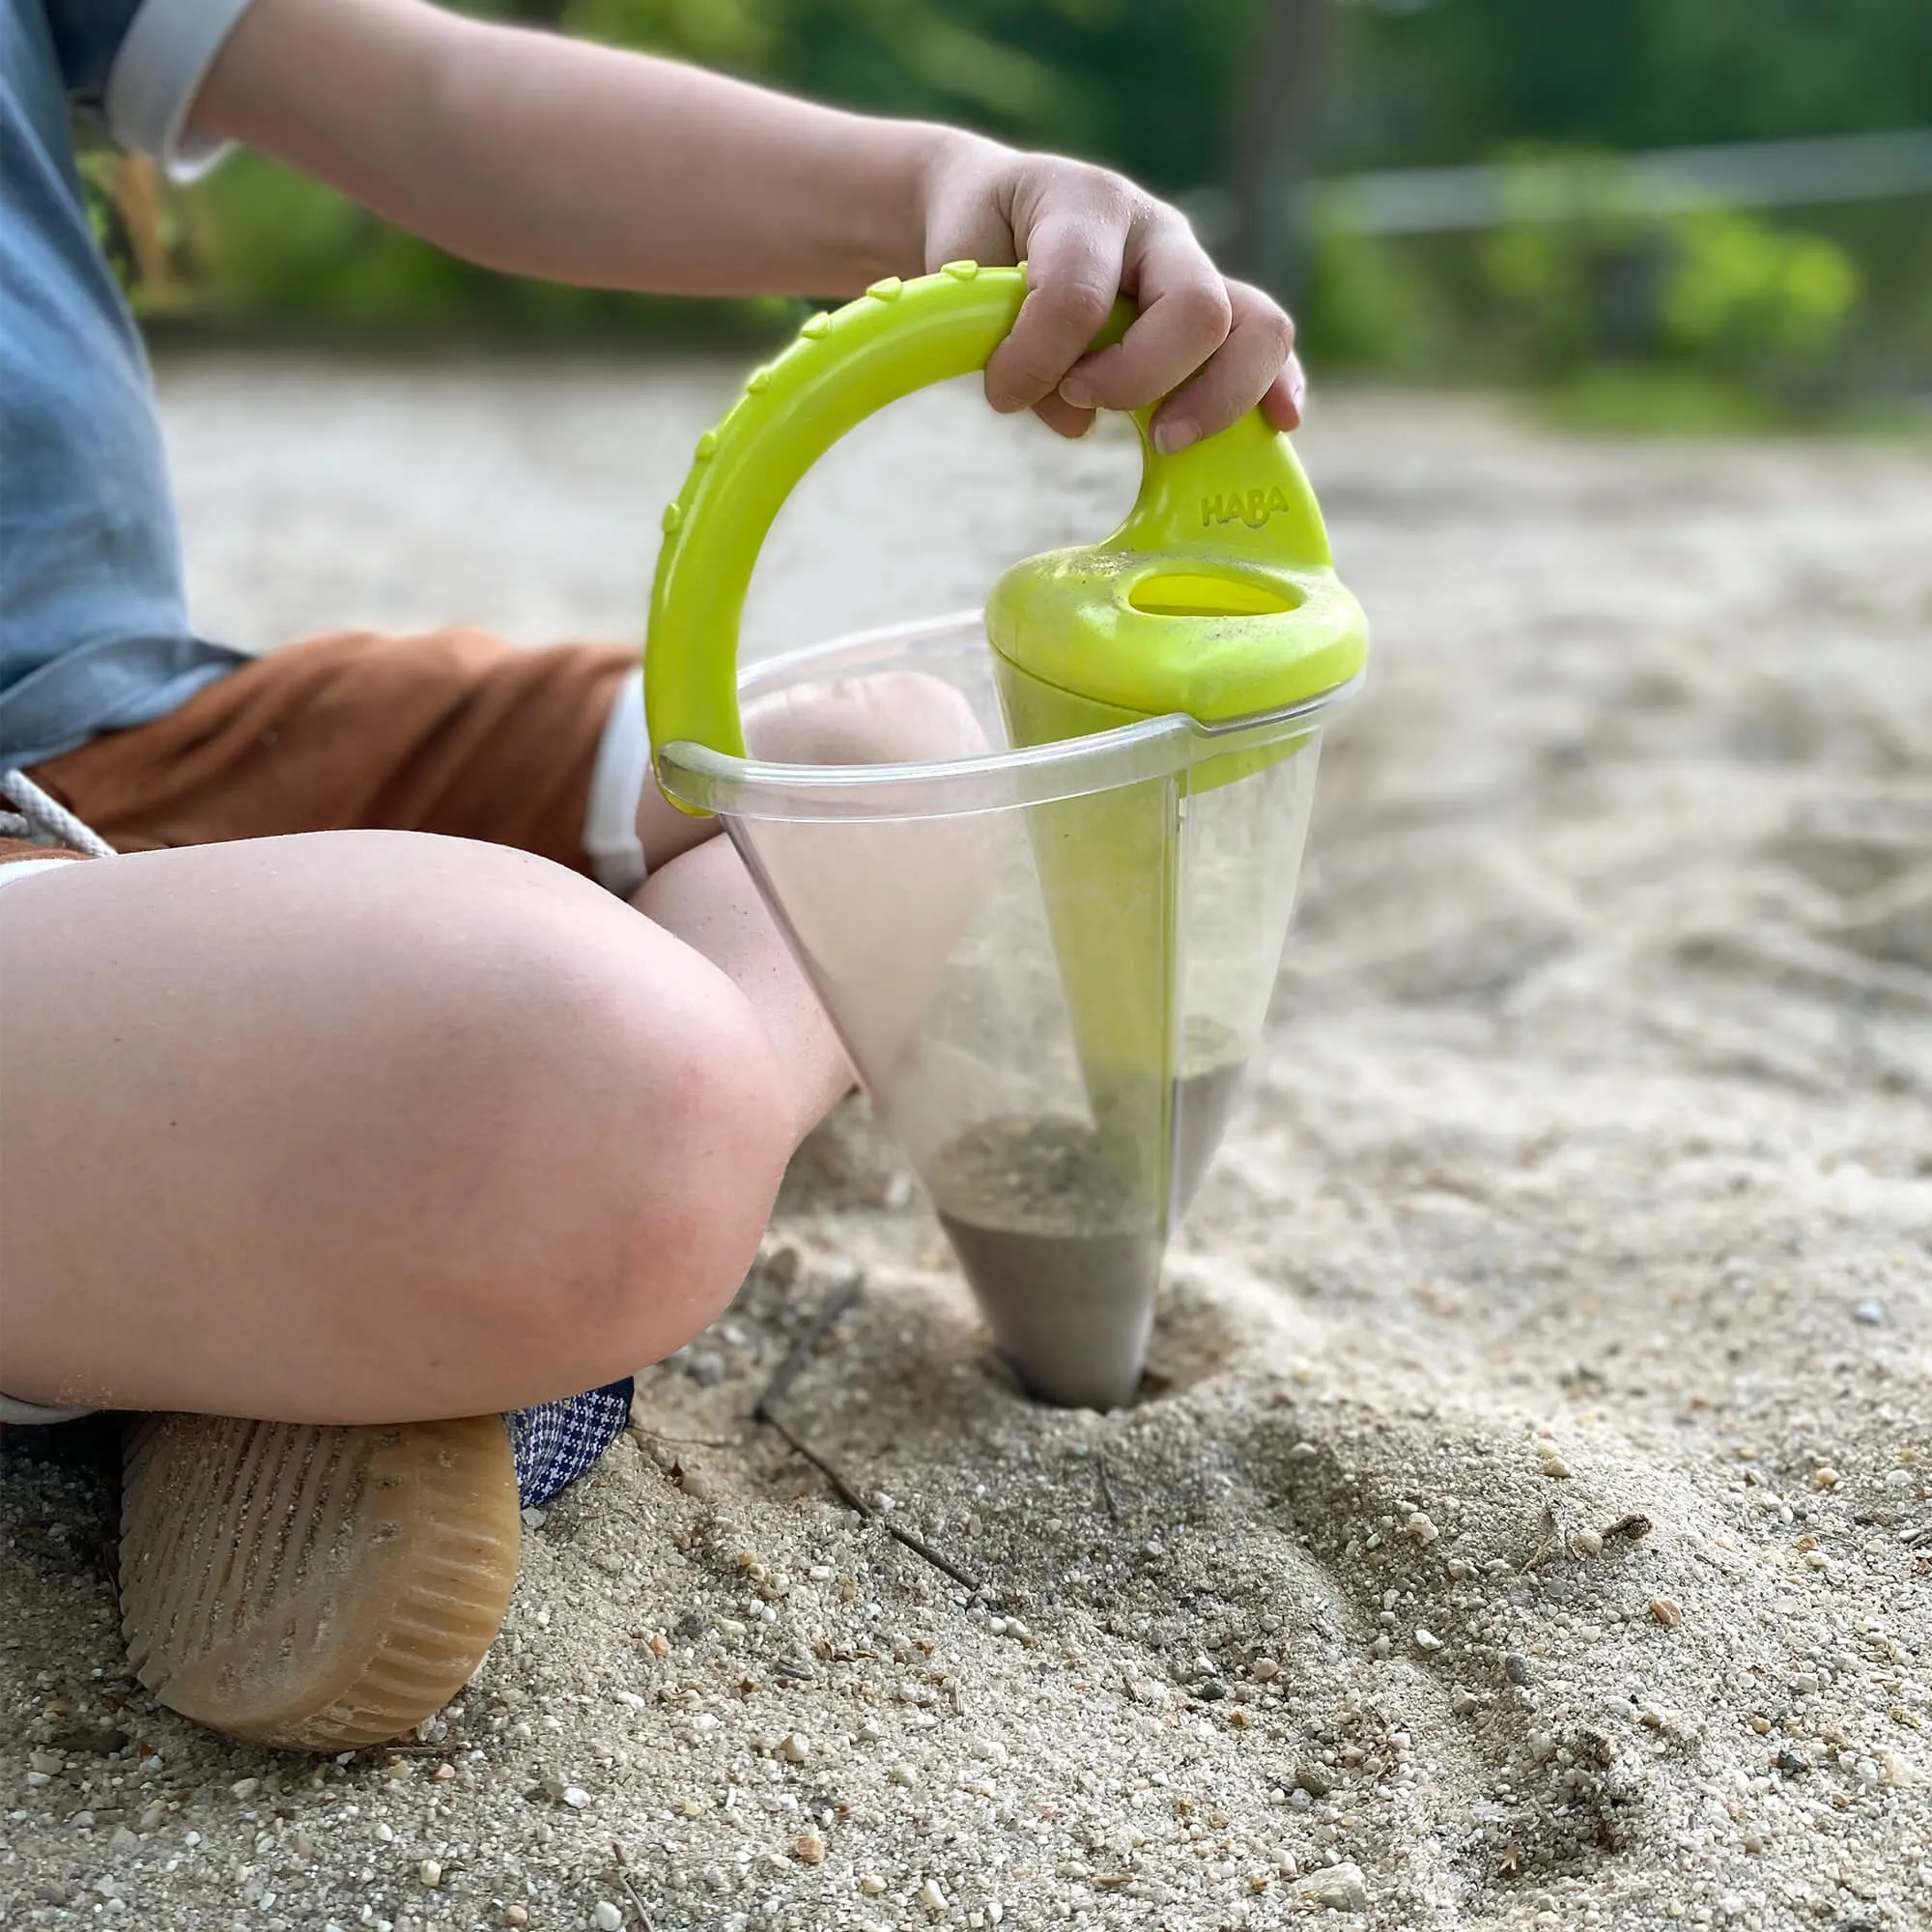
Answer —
(616, 784)
(157, 75)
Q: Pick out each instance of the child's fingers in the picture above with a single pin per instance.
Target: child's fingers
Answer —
(1243, 370)
(1185, 313)
(1062, 417)
(1286, 403)
(1073, 273)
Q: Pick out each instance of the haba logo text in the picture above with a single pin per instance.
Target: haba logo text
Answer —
(1254, 507)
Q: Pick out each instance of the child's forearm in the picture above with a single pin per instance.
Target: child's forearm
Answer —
(547, 157)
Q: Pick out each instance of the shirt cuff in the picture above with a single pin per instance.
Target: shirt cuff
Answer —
(157, 75)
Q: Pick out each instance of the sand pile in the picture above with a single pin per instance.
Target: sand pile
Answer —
(1528, 1519)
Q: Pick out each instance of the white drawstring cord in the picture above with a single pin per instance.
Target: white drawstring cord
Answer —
(37, 816)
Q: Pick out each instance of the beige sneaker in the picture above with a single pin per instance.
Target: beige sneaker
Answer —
(314, 1588)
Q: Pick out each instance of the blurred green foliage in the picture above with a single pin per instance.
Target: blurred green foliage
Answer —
(1713, 287)
(1778, 308)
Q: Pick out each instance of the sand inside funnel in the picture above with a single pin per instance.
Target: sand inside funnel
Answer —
(1063, 1256)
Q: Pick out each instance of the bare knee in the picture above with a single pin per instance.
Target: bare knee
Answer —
(633, 1136)
(891, 717)
(413, 1126)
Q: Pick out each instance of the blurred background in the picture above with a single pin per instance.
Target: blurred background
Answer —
(1678, 214)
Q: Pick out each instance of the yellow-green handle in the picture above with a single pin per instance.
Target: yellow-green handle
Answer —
(896, 338)
(1100, 620)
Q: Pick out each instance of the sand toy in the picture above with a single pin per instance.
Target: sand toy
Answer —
(1049, 935)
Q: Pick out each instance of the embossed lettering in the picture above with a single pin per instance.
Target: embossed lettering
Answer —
(1254, 506)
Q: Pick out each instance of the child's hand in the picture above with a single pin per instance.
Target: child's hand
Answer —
(1087, 235)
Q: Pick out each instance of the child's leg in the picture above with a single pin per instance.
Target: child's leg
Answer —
(365, 1126)
(370, 1125)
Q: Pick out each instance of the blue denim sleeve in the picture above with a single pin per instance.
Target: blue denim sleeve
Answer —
(87, 35)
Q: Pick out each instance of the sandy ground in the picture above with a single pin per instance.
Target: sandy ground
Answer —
(1529, 1520)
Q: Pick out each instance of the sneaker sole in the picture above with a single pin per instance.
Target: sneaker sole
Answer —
(314, 1588)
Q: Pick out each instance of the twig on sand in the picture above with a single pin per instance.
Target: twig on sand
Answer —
(787, 1373)
(631, 1890)
(805, 1346)
(860, 1507)
(1548, 1539)
(1107, 1488)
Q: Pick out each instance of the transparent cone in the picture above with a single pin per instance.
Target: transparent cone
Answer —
(1050, 963)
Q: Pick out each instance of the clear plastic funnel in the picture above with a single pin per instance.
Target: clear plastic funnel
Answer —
(1057, 1043)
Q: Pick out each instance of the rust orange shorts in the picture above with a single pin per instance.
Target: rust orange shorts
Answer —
(452, 731)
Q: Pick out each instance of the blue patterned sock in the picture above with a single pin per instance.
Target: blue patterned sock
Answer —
(557, 1442)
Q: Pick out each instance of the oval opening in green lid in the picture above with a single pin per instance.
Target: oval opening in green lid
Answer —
(1189, 595)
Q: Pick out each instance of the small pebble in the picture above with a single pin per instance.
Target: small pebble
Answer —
(575, 1796)
(931, 1897)
(1586, 1543)
(515, 1915)
(607, 1917)
(1266, 1669)
(431, 1873)
(872, 1885)
(795, 1749)
(444, 1773)
(1550, 1462)
(808, 1848)
(1339, 1889)
(1516, 1669)
(1426, 1641)
(1667, 1612)
(1825, 1479)
(1870, 1314)
(245, 1788)
(1422, 1528)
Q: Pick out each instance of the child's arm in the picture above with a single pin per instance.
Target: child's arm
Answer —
(546, 157)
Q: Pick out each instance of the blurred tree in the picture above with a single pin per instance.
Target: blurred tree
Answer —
(1276, 128)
